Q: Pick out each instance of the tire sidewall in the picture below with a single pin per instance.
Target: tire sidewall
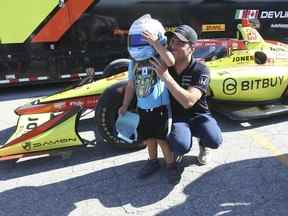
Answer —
(106, 113)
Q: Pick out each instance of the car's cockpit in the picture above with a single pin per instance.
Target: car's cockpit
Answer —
(210, 52)
(212, 49)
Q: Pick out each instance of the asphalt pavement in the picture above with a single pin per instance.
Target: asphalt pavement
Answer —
(247, 176)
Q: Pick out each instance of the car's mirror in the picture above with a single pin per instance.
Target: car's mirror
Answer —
(260, 57)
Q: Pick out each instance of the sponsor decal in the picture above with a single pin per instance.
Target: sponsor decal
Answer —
(231, 86)
(256, 14)
(213, 27)
(203, 80)
(240, 59)
(274, 14)
(29, 145)
(279, 25)
(246, 14)
(277, 49)
(120, 32)
(261, 83)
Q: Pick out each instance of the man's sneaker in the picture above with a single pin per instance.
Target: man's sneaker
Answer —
(203, 157)
(149, 168)
(173, 174)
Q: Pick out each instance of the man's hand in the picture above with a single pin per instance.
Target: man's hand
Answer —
(159, 66)
(150, 38)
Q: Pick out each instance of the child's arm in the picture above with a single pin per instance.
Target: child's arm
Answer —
(164, 53)
(128, 96)
(129, 90)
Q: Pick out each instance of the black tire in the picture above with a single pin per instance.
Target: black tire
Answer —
(115, 67)
(106, 113)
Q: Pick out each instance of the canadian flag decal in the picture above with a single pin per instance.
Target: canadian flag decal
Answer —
(246, 14)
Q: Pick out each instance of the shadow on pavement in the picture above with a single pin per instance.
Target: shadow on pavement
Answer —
(248, 187)
(101, 150)
(113, 187)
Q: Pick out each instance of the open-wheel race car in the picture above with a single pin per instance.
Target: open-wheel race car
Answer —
(248, 75)
(249, 79)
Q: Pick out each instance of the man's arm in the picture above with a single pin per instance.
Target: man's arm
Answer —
(187, 98)
(164, 53)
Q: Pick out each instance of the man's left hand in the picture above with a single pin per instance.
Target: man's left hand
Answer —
(150, 38)
(159, 66)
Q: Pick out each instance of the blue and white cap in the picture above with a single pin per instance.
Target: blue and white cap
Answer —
(138, 48)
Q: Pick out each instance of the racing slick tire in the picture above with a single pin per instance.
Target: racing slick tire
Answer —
(115, 67)
(106, 114)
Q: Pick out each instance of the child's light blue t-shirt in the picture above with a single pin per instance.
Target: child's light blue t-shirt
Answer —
(150, 90)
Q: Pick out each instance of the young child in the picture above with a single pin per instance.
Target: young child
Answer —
(152, 96)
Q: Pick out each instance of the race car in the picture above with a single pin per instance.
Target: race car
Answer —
(248, 75)
(249, 79)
